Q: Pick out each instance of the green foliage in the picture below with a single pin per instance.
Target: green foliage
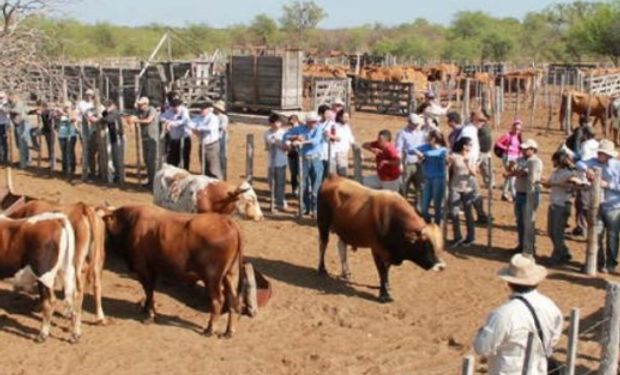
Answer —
(265, 29)
(299, 17)
(598, 32)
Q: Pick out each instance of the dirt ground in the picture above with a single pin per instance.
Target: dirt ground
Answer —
(312, 324)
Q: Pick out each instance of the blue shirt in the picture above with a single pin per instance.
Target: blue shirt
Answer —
(434, 163)
(180, 123)
(611, 175)
(313, 139)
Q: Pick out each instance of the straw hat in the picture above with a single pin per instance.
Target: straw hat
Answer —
(90, 92)
(416, 119)
(143, 100)
(339, 102)
(530, 143)
(523, 270)
(312, 117)
(220, 105)
(607, 147)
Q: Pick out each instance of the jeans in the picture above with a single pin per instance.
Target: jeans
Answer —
(414, 174)
(312, 176)
(485, 161)
(582, 202)
(557, 217)
(509, 182)
(224, 154)
(434, 190)
(210, 159)
(22, 134)
(611, 220)
(466, 201)
(174, 152)
(34, 138)
(49, 137)
(67, 152)
(118, 159)
(293, 165)
(279, 180)
(149, 154)
(520, 204)
(4, 146)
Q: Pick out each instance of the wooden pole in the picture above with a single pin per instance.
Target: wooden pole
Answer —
(568, 111)
(518, 97)
(529, 230)
(249, 157)
(498, 113)
(595, 201)
(302, 181)
(138, 138)
(465, 112)
(272, 179)
(490, 204)
(573, 340)
(446, 202)
(529, 351)
(121, 91)
(610, 340)
(357, 164)
(502, 85)
(468, 365)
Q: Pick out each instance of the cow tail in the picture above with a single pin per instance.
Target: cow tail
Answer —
(68, 255)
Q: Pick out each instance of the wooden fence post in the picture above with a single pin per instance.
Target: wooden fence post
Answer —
(529, 224)
(595, 201)
(302, 181)
(446, 202)
(529, 350)
(272, 179)
(249, 157)
(610, 340)
(490, 203)
(568, 111)
(357, 164)
(465, 111)
(138, 138)
(502, 86)
(573, 339)
(468, 365)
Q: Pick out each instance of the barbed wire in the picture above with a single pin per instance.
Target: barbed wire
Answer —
(593, 327)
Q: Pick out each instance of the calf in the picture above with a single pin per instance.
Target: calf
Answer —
(34, 251)
(185, 247)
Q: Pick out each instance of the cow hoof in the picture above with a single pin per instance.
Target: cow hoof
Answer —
(40, 339)
(102, 322)
(346, 276)
(148, 320)
(208, 332)
(227, 335)
(386, 298)
(74, 339)
(322, 272)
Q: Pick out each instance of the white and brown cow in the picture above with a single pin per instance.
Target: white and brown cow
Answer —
(34, 251)
(178, 190)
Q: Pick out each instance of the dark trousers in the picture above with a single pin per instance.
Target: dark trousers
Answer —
(210, 160)
(520, 210)
(293, 164)
(466, 201)
(4, 146)
(67, 151)
(174, 152)
(149, 154)
(49, 137)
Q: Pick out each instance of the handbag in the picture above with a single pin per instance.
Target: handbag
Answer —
(553, 366)
(498, 151)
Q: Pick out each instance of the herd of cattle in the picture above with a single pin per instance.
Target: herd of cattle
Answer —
(192, 237)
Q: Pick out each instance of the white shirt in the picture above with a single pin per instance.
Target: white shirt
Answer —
(223, 123)
(83, 107)
(589, 149)
(503, 338)
(434, 110)
(408, 140)
(345, 139)
(273, 144)
(4, 113)
(471, 131)
(209, 128)
(325, 127)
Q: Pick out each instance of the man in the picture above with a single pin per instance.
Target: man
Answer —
(47, 116)
(432, 109)
(90, 116)
(208, 131)
(610, 203)
(111, 119)
(219, 108)
(388, 163)
(17, 114)
(338, 105)
(455, 125)
(178, 128)
(503, 338)
(528, 173)
(470, 130)
(4, 126)
(148, 120)
(408, 141)
(309, 139)
(326, 122)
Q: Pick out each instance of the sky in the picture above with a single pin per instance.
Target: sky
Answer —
(341, 13)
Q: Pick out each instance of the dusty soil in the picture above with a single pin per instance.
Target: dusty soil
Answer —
(312, 324)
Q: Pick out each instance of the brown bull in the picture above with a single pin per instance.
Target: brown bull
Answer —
(382, 221)
(600, 107)
(89, 256)
(158, 243)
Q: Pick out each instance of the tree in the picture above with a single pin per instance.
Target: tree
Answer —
(265, 29)
(299, 17)
(599, 32)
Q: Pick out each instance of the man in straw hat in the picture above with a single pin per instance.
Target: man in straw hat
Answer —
(610, 204)
(408, 140)
(503, 338)
(208, 131)
(148, 120)
(528, 172)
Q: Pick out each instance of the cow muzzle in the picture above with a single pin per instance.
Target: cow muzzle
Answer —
(439, 266)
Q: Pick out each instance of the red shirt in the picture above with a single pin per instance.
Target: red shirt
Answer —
(387, 172)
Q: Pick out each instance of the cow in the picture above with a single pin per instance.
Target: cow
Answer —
(178, 190)
(380, 220)
(89, 257)
(186, 247)
(34, 251)
(600, 107)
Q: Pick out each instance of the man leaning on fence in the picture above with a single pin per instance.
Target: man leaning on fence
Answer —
(207, 128)
(17, 114)
(147, 119)
(503, 338)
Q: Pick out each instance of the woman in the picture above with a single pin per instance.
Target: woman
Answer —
(462, 191)
(67, 137)
(293, 158)
(510, 145)
(342, 145)
(433, 157)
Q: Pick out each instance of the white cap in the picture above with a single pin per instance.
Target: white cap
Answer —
(90, 92)
(416, 119)
(530, 143)
(312, 117)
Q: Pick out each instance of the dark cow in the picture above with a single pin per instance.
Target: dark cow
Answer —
(34, 251)
(156, 242)
(380, 220)
(89, 247)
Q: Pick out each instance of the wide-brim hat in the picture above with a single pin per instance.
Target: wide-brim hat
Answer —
(416, 119)
(312, 117)
(523, 270)
(530, 143)
(607, 147)
(90, 92)
(220, 105)
(339, 102)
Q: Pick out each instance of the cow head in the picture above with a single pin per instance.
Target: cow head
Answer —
(247, 201)
(422, 246)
